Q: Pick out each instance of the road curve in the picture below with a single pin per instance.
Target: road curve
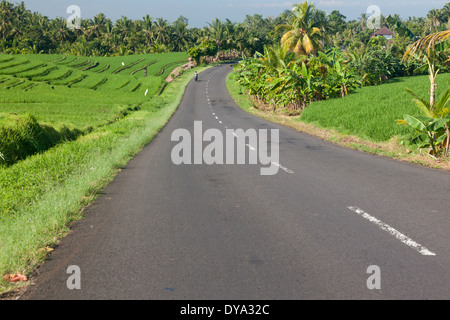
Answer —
(162, 231)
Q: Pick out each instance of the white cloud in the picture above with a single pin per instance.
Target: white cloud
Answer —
(330, 3)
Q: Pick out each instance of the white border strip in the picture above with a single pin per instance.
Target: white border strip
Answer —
(400, 236)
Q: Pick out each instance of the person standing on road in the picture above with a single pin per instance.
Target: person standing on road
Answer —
(196, 76)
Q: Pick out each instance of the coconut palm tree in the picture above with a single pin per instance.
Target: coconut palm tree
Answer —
(6, 18)
(96, 26)
(162, 32)
(241, 38)
(179, 36)
(217, 33)
(303, 34)
(60, 31)
(433, 20)
(148, 30)
(123, 27)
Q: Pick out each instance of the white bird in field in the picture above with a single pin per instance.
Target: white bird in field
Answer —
(146, 91)
(123, 63)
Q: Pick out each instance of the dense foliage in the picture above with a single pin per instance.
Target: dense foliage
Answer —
(308, 64)
(23, 31)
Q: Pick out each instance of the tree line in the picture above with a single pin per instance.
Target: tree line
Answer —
(23, 31)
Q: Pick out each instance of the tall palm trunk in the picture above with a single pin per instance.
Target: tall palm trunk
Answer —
(432, 75)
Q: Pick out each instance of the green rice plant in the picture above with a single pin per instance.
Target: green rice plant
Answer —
(41, 72)
(92, 66)
(371, 112)
(17, 70)
(103, 69)
(128, 66)
(5, 58)
(143, 68)
(12, 64)
(67, 60)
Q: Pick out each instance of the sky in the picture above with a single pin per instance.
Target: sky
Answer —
(199, 12)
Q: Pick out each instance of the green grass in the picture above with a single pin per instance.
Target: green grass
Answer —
(237, 93)
(41, 195)
(69, 92)
(55, 88)
(370, 112)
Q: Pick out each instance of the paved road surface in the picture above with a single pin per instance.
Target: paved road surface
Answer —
(162, 231)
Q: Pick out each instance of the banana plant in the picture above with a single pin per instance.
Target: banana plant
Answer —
(431, 129)
(346, 79)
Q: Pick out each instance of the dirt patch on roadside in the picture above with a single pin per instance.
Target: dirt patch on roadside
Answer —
(178, 71)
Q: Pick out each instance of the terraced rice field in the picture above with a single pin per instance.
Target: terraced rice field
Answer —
(80, 91)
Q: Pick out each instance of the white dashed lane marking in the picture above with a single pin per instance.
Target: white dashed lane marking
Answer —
(400, 236)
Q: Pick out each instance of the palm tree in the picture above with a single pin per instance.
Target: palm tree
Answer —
(217, 32)
(96, 26)
(302, 35)
(180, 36)
(363, 21)
(123, 27)
(240, 38)
(148, 30)
(6, 17)
(161, 31)
(60, 31)
(433, 19)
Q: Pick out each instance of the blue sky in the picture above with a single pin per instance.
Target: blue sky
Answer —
(199, 12)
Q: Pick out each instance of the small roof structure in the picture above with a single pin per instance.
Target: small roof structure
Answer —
(384, 32)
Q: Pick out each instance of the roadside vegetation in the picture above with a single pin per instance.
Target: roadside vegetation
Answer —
(301, 72)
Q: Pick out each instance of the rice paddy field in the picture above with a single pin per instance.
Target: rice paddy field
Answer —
(371, 112)
(53, 167)
(77, 91)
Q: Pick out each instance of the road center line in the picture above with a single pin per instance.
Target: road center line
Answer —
(400, 236)
(282, 167)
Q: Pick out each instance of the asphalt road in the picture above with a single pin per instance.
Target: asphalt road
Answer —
(224, 231)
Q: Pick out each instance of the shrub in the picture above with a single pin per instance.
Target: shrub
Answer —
(26, 137)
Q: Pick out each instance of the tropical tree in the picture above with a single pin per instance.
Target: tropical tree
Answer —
(162, 32)
(180, 37)
(217, 33)
(303, 35)
(6, 18)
